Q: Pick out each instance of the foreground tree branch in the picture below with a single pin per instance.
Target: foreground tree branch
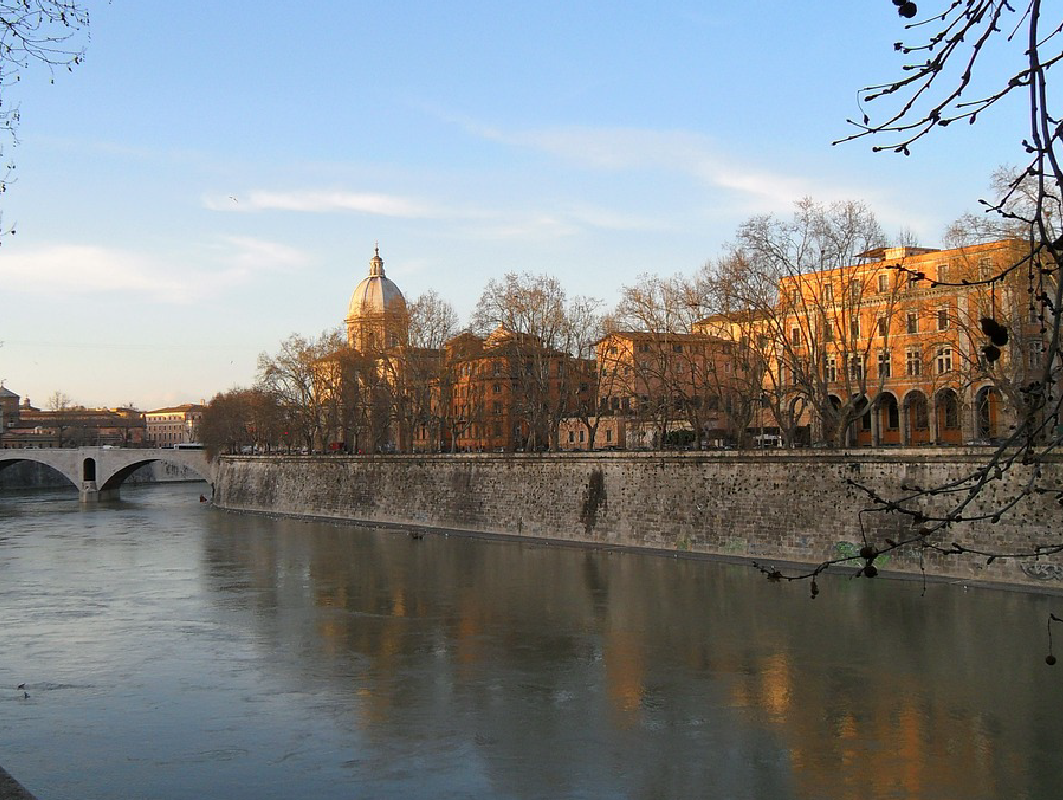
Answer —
(32, 32)
(951, 80)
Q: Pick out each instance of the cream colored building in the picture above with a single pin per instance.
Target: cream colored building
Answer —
(174, 425)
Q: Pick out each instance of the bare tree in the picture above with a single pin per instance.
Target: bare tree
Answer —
(292, 376)
(242, 420)
(44, 32)
(424, 372)
(953, 76)
(809, 312)
(63, 421)
(552, 334)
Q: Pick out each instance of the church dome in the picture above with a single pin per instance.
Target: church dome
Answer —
(376, 294)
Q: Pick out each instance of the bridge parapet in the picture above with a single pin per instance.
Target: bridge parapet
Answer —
(98, 472)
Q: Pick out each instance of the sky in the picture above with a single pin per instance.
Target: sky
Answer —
(214, 176)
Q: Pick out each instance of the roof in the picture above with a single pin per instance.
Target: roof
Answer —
(642, 336)
(176, 409)
(376, 294)
(5, 392)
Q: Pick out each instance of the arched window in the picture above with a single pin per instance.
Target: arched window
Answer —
(948, 409)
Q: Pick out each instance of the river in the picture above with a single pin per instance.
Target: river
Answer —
(171, 650)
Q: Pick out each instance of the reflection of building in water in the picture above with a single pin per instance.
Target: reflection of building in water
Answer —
(680, 679)
(622, 658)
(884, 740)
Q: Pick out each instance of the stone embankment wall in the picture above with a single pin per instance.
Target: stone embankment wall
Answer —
(780, 505)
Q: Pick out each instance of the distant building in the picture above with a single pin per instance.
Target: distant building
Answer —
(174, 425)
(8, 408)
(26, 427)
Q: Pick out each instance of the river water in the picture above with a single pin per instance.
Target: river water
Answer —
(171, 650)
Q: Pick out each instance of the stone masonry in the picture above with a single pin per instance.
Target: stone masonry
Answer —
(766, 505)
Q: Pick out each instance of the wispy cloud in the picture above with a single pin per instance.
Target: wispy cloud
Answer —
(89, 269)
(322, 201)
(246, 253)
(78, 269)
(671, 152)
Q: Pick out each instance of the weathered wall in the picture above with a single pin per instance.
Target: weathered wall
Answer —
(794, 506)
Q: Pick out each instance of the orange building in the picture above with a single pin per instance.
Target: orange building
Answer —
(890, 350)
(506, 392)
(657, 390)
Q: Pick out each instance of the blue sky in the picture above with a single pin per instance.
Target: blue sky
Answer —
(214, 176)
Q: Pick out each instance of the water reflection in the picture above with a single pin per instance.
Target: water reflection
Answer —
(304, 659)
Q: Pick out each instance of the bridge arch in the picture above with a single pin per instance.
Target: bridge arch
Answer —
(98, 472)
(9, 458)
(112, 482)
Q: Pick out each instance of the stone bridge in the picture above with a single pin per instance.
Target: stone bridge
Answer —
(97, 472)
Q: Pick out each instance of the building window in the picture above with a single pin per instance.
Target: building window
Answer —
(912, 362)
(913, 280)
(943, 273)
(795, 335)
(571, 437)
(831, 369)
(883, 326)
(582, 435)
(944, 360)
(644, 348)
(828, 331)
(677, 348)
(943, 318)
(1034, 350)
(828, 293)
(854, 328)
(854, 292)
(883, 282)
(949, 409)
(497, 388)
(884, 365)
(496, 407)
(608, 435)
(856, 368)
(911, 323)
(985, 267)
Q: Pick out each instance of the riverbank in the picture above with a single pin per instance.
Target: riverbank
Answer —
(791, 506)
